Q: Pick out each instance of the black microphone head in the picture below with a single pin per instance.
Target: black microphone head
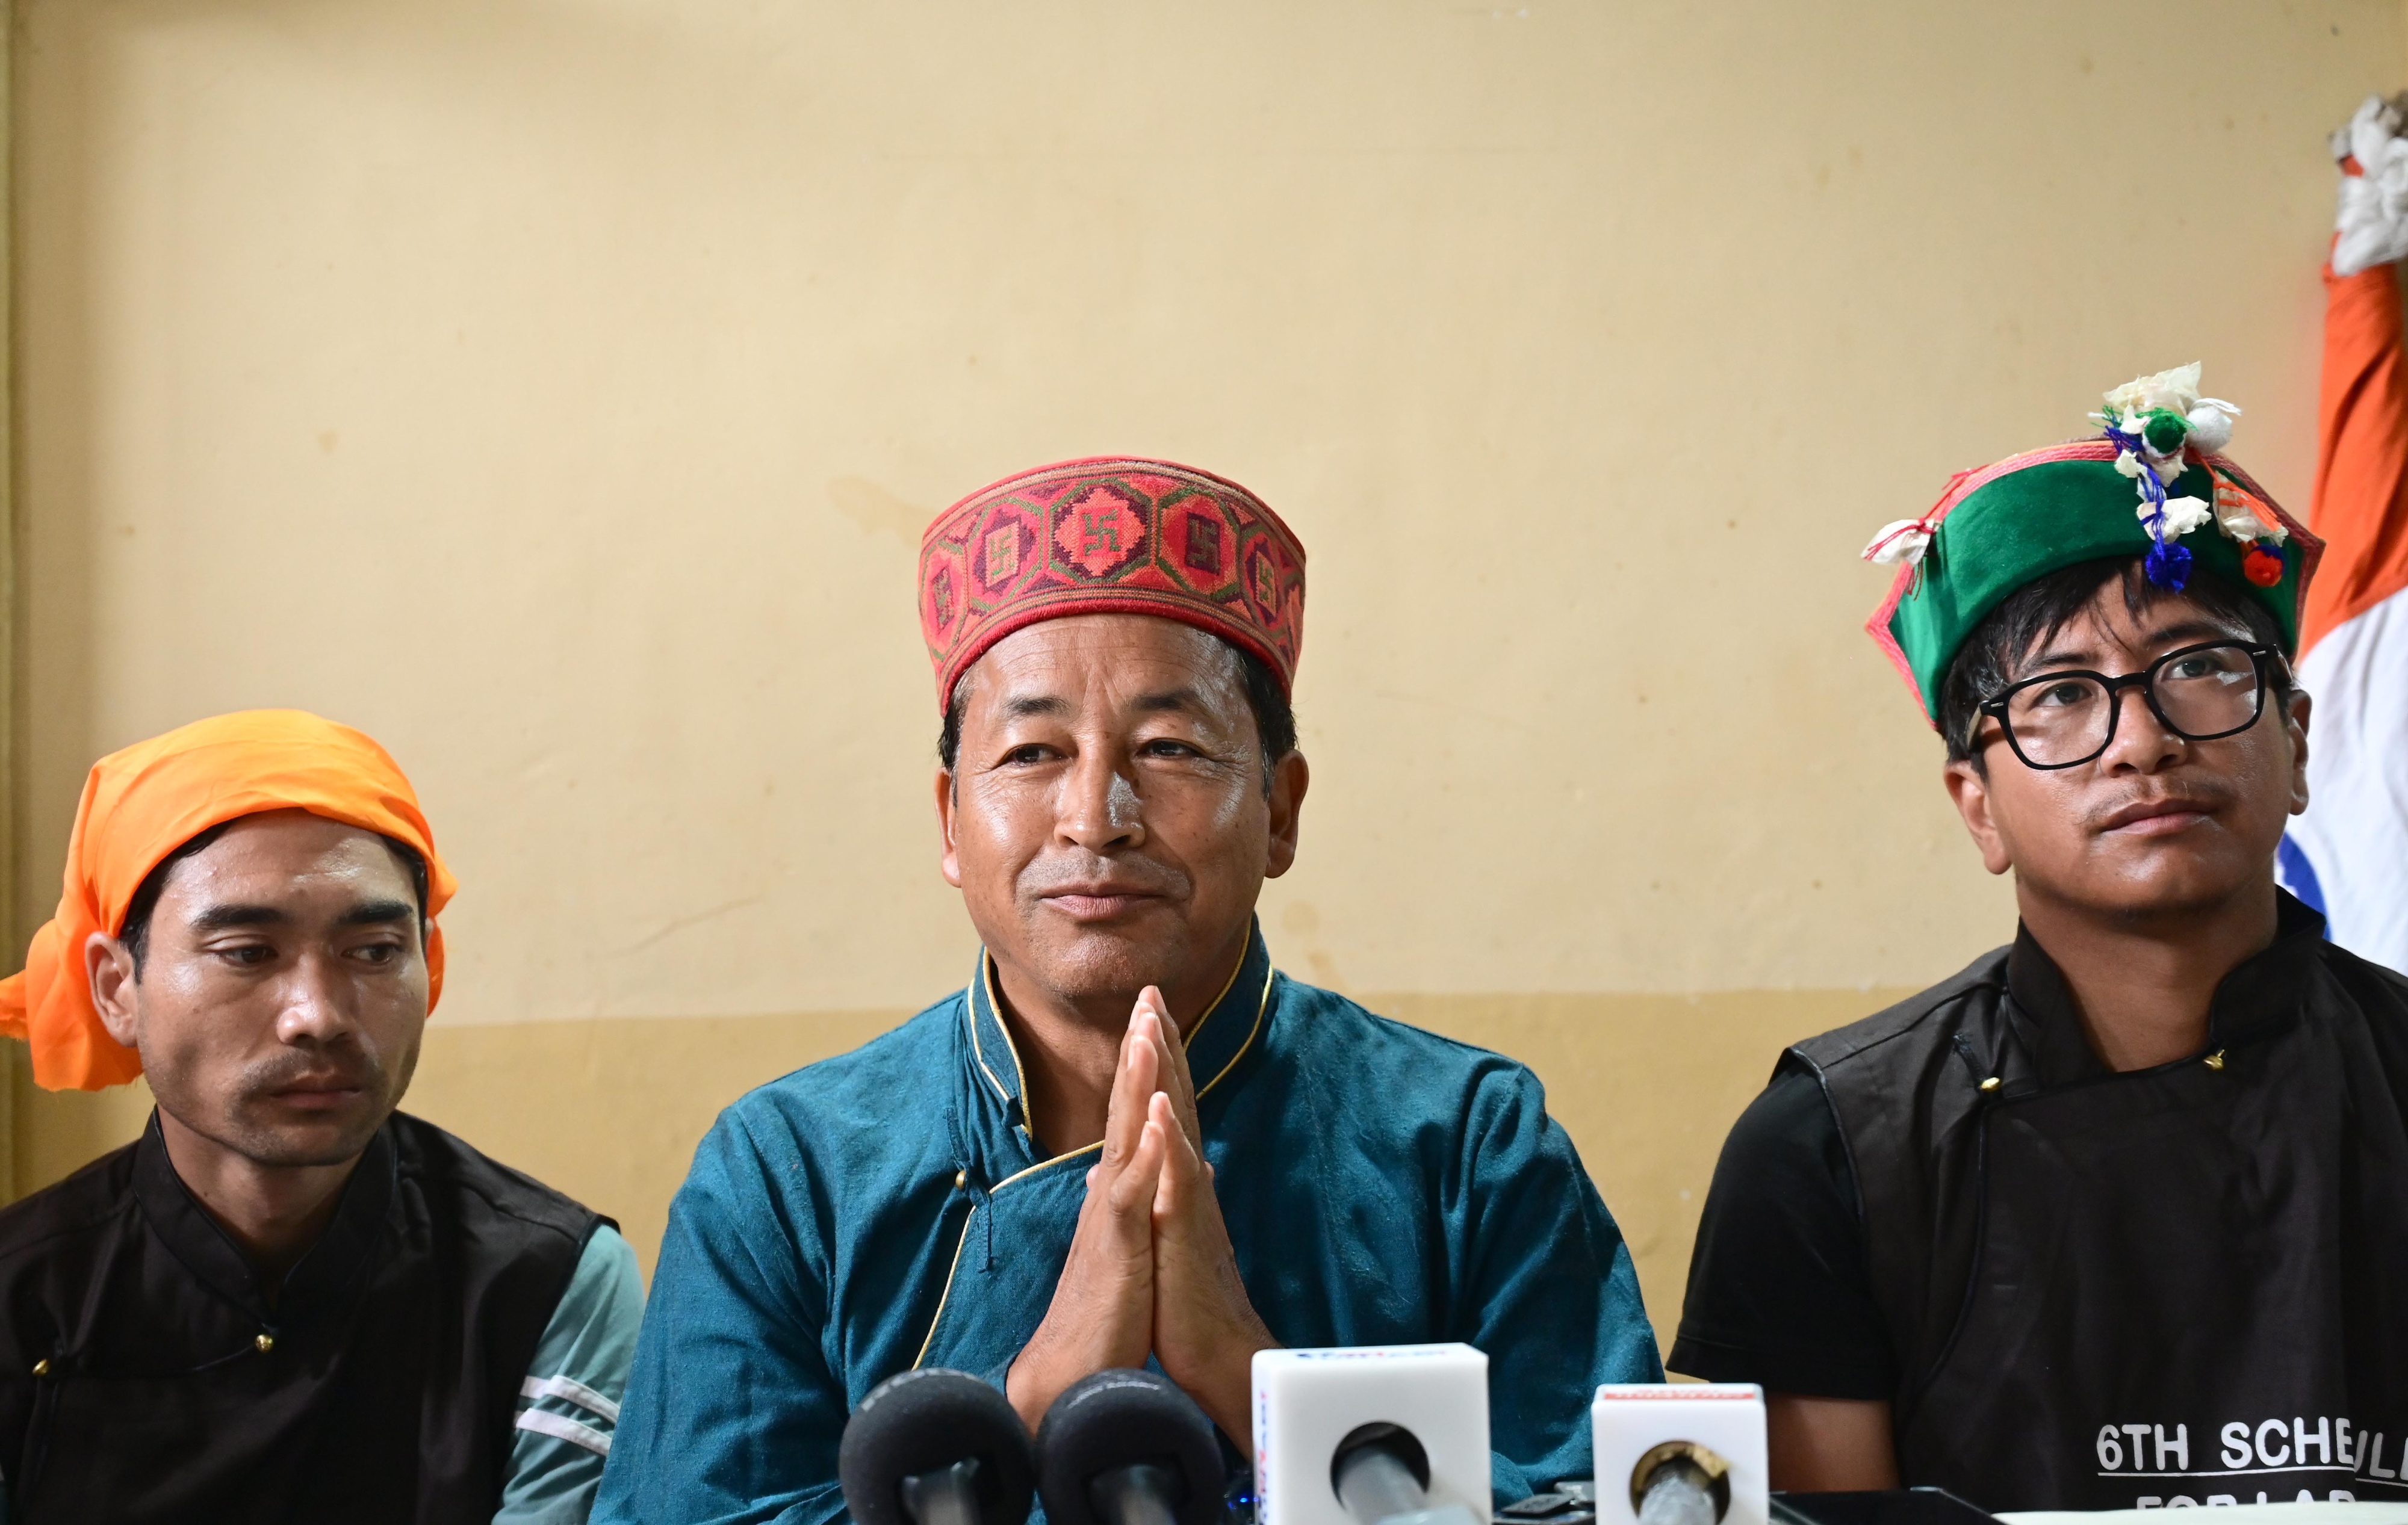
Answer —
(923, 1420)
(1116, 1418)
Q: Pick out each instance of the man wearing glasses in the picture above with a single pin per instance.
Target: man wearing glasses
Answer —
(2118, 1215)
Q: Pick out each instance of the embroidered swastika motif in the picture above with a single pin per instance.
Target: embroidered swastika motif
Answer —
(1203, 544)
(1099, 531)
(939, 614)
(1110, 536)
(1002, 554)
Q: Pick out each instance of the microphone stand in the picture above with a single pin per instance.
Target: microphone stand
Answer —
(946, 1496)
(1380, 1474)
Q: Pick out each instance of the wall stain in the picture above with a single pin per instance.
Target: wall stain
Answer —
(877, 510)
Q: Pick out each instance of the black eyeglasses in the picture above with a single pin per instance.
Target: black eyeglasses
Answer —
(2200, 692)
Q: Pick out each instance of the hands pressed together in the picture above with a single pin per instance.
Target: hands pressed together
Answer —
(1150, 1269)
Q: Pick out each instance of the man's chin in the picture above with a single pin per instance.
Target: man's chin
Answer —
(270, 1136)
(1086, 959)
(2163, 885)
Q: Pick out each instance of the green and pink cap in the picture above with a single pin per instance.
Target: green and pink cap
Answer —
(2003, 526)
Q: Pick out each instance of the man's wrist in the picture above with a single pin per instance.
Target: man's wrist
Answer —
(1225, 1391)
(1034, 1380)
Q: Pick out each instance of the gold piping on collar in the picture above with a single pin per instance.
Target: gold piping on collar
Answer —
(1270, 975)
(1045, 1165)
(978, 1049)
(1019, 1071)
(954, 1269)
(1261, 1006)
(1187, 1041)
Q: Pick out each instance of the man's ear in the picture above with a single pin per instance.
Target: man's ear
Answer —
(1971, 790)
(2295, 717)
(109, 967)
(1290, 779)
(950, 860)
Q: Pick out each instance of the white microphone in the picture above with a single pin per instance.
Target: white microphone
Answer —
(1688, 1453)
(1371, 1436)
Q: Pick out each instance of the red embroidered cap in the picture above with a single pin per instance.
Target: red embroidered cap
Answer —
(1109, 534)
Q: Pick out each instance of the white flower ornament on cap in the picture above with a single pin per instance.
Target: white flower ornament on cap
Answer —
(2160, 427)
(2159, 424)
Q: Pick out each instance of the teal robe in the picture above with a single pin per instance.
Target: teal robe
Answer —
(892, 1208)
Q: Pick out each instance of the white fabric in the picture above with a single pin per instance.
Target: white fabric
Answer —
(561, 1427)
(2372, 221)
(572, 1389)
(2356, 830)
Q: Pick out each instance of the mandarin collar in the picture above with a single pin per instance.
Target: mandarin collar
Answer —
(1214, 1045)
(2262, 991)
(331, 1265)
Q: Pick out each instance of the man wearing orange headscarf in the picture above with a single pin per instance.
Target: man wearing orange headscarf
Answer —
(286, 1300)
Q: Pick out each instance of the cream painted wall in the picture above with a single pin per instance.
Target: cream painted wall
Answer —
(556, 387)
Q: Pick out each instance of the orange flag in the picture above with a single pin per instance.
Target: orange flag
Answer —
(2348, 854)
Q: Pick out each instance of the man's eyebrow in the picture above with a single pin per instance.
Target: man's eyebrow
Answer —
(219, 918)
(2061, 656)
(2196, 630)
(1025, 705)
(2184, 631)
(1169, 699)
(375, 913)
(367, 914)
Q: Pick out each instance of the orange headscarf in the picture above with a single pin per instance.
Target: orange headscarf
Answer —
(141, 804)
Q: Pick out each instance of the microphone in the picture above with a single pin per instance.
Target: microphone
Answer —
(1382, 1475)
(1681, 1482)
(1392, 1435)
(936, 1447)
(1687, 1454)
(1128, 1447)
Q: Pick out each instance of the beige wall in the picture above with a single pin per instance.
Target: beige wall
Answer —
(555, 389)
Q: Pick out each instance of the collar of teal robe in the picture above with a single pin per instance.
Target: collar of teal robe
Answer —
(1215, 1046)
(890, 1207)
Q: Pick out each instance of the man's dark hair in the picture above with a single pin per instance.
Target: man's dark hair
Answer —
(1274, 717)
(136, 931)
(2035, 612)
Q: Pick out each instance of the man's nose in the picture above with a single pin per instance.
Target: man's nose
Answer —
(2143, 742)
(317, 1002)
(1100, 809)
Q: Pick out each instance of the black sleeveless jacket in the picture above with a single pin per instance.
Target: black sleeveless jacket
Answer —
(2184, 1285)
(143, 1378)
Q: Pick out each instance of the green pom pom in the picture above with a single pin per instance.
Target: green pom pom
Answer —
(2164, 431)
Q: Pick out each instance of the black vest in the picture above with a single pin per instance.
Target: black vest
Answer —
(2183, 1285)
(143, 1378)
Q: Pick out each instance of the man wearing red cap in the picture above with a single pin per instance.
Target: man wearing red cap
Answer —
(1130, 1138)
(287, 1300)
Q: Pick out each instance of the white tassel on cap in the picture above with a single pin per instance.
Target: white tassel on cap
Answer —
(1901, 540)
